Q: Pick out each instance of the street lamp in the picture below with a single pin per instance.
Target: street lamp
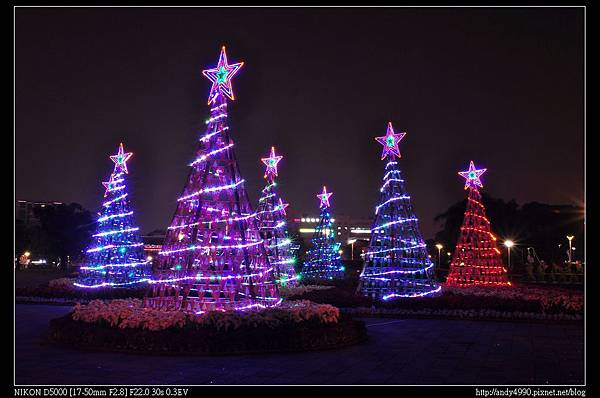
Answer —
(570, 238)
(509, 244)
(439, 247)
(351, 241)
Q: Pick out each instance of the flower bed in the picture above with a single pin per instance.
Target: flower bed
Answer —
(124, 325)
(548, 300)
(47, 300)
(291, 291)
(518, 302)
(482, 314)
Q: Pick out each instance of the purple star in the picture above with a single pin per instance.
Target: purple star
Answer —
(221, 77)
(472, 176)
(271, 163)
(121, 159)
(324, 198)
(390, 142)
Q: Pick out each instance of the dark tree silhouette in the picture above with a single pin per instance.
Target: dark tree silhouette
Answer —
(63, 230)
(538, 225)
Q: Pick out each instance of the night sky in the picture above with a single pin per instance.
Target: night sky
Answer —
(503, 87)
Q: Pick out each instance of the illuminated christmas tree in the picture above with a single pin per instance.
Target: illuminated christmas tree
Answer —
(396, 263)
(323, 260)
(213, 256)
(477, 259)
(271, 217)
(116, 258)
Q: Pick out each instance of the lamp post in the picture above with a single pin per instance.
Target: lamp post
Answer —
(509, 244)
(570, 238)
(439, 247)
(351, 241)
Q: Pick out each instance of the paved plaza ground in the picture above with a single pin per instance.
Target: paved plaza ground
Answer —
(398, 352)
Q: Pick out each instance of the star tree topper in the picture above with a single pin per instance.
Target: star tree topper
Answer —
(390, 142)
(221, 77)
(471, 176)
(121, 159)
(271, 163)
(324, 198)
(109, 185)
(282, 206)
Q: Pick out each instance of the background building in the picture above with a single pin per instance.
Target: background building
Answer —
(352, 232)
(27, 211)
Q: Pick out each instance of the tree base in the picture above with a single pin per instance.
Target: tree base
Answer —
(309, 335)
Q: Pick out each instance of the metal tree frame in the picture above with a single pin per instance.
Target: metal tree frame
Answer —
(271, 218)
(396, 263)
(477, 259)
(323, 261)
(116, 257)
(213, 257)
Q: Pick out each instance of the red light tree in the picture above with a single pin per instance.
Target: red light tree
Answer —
(477, 259)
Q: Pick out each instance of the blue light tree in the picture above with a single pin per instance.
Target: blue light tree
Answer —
(323, 260)
(397, 263)
(271, 219)
(116, 258)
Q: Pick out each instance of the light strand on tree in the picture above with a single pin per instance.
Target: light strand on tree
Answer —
(208, 136)
(422, 294)
(390, 200)
(211, 153)
(106, 218)
(211, 189)
(118, 231)
(389, 182)
(212, 247)
(110, 202)
(106, 247)
(99, 267)
(390, 223)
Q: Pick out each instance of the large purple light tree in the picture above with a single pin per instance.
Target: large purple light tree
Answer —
(213, 256)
